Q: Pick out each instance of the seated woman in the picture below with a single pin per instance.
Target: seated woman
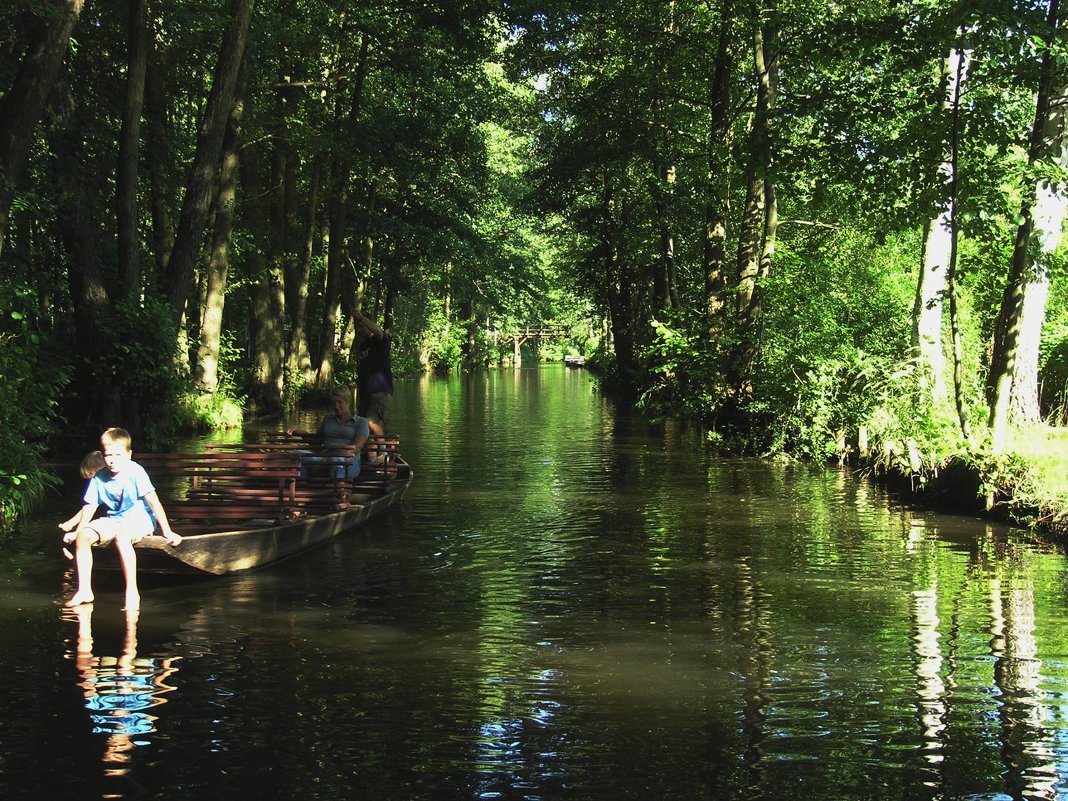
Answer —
(338, 430)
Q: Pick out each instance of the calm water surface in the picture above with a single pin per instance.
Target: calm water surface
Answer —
(570, 604)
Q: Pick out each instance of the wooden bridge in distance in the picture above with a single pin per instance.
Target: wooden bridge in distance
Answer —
(534, 331)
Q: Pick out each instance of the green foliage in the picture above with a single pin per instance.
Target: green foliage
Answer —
(31, 381)
(1054, 353)
(686, 375)
(442, 343)
(139, 354)
(295, 383)
(831, 401)
(202, 412)
(1039, 479)
(1029, 481)
(1055, 377)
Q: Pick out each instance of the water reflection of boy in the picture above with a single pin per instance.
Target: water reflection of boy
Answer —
(118, 691)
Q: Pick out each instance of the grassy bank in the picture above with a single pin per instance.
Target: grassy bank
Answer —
(1027, 485)
(1033, 478)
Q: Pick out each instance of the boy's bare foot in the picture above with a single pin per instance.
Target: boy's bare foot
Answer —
(80, 598)
(173, 539)
(65, 526)
(133, 602)
(70, 536)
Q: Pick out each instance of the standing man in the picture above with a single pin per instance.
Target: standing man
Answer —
(375, 373)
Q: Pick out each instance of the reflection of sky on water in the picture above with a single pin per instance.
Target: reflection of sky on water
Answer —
(117, 703)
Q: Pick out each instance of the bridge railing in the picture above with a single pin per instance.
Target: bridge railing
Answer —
(540, 332)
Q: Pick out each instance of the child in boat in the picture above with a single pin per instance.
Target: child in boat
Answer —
(133, 511)
(92, 464)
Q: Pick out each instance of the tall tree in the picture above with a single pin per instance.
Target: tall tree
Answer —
(758, 226)
(714, 255)
(201, 181)
(1014, 361)
(25, 101)
(126, 217)
(927, 315)
(218, 268)
(88, 286)
(337, 254)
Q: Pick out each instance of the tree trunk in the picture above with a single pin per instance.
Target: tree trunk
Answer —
(368, 259)
(266, 317)
(470, 344)
(928, 352)
(1025, 403)
(338, 252)
(387, 306)
(660, 189)
(158, 166)
(716, 207)
(129, 251)
(951, 271)
(760, 216)
(335, 257)
(218, 270)
(366, 263)
(25, 100)
(88, 289)
(620, 286)
(201, 182)
(1037, 235)
(298, 355)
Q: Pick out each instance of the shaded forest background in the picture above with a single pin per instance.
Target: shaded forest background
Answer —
(815, 228)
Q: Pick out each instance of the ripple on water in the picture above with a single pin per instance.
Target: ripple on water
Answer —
(572, 603)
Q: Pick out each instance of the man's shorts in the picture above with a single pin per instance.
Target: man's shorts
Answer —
(375, 407)
(107, 528)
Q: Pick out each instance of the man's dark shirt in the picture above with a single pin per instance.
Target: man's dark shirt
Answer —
(376, 367)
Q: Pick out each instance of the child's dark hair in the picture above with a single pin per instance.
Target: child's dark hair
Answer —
(92, 464)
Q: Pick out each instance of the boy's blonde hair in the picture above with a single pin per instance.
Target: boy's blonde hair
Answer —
(116, 436)
(92, 464)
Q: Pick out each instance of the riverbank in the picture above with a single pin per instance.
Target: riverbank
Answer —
(1026, 486)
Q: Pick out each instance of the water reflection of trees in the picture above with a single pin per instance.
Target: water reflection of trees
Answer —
(938, 627)
(1001, 579)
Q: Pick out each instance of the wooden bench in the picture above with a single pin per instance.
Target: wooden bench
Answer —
(224, 490)
(258, 484)
(379, 460)
(316, 490)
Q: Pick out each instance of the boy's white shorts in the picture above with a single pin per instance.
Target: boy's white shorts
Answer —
(107, 528)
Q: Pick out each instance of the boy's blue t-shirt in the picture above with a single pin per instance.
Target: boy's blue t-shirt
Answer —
(123, 495)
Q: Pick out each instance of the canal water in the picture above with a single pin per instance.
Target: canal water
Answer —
(571, 603)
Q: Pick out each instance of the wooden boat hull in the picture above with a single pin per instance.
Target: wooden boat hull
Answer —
(243, 549)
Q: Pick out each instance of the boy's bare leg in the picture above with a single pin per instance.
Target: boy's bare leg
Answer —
(84, 613)
(128, 556)
(83, 555)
